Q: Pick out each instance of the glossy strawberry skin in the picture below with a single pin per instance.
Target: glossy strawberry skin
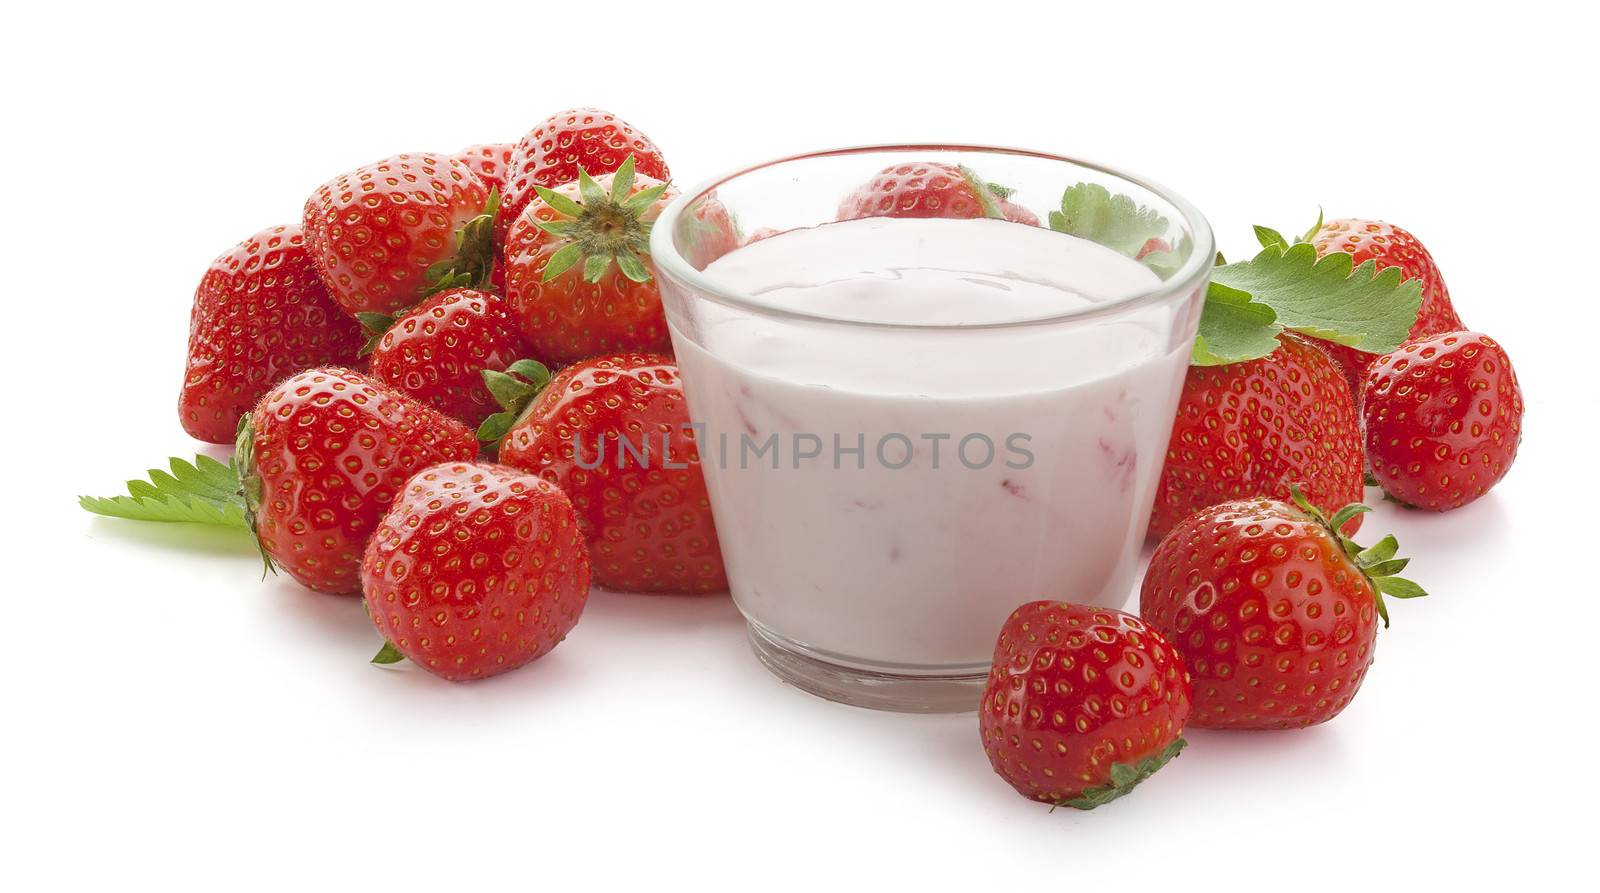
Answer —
(1074, 689)
(376, 230)
(1253, 428)
(649, 528)
(1276, 624)
(550, 155)
(1389, 246)
(490, 161)
(567, 318)
(260, 313)
(438, 350)
(476, 570)
(1443, 419)
(332, 448)
(924, 189)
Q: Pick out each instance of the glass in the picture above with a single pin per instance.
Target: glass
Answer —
(870, 571)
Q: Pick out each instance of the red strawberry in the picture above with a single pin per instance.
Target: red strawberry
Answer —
(259, 315)
(710, 231)
(932, 189)
(475, 570)
(1443, 419)
(325, 454)
(386, 235)
(551, 154)
(578, 270)
(642, 503)
(438, 350)
(1082, 703)
(1389, 246)
(1276, 613)
(490, 161)
(1253, 428)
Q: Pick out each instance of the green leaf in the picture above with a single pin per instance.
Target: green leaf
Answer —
(595, 266)
(561, 229)
(562, 260)
(622, 181)
(1233, 328)
(561, 204)
(1271, 238)
(1124, 778)
(1343, 516)
(590, 190)
(1379, 552)
(1400, 587)
(1315, 227)
(1166, 264)
(509, 391)
(632, 267)
(1365, 309)
(1386, 568)
(388, 654)
(202, 492)
(1090, 211)
(641, 201)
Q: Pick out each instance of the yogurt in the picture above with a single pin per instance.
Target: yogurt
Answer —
(889, 486)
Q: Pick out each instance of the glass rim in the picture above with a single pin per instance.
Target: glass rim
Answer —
(669, 261)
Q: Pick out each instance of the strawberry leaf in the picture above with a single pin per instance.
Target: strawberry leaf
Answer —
(1270, 238)
(202, 492)
(388, 654)
(1365, 309)
(1090, 211)
(1233, 328)
(1124, 778)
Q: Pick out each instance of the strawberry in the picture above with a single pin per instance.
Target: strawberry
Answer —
(1252, 428)
(578, 270)
(323, 456)
(490, 161)
(475, 570)
(259, 314)
(642, 501)
(1389, 246)
(386, 235)
(709, 232)
(438, 350)
(1275, 611)
(932, 189)
(1443, 419)
(551, 154)
(1082, 703)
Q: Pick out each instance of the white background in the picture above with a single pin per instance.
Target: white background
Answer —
(170, 718)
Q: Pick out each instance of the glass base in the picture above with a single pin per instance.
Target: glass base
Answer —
(876, 690)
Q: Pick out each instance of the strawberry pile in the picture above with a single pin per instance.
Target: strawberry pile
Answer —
(361, 360)
(410, 375)
(1258, 611)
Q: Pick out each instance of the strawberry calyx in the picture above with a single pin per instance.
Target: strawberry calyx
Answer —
(244, 459)
(373, 325)
(1271, 238)
(514, 391)
(472, 265)
(1376, 562)
(600, 229)
(1124, 778)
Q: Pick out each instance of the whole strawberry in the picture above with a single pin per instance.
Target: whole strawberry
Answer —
(260, 313)
(323, 456)
(636, 483)
(1082, 703)
(475, 570)
(932, 189)
(552, 153)
(437, 351)
(490, 161)
(1275, 611)
(1443, 419)
(388, 234)
(578, 272)
(1253, 428)
(1389, 246)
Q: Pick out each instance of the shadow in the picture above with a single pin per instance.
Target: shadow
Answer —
(199, 538)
